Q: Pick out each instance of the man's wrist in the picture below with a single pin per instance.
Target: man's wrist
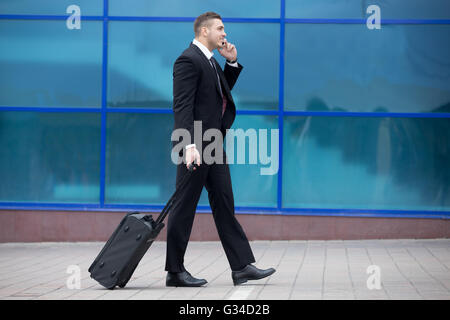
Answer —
(233, 63)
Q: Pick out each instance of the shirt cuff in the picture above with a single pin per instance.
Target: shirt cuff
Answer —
(233, 64)
(190, 146)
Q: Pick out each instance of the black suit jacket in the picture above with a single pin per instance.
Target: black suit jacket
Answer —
(196, 93)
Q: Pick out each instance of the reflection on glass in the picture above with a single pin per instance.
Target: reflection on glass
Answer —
(59, 7)
(142, 54)
(366, 163)
(194, 8)
(400, 68)
(140, 62)
(139, 169)
(357, 9)
(49, 157)
(252, 186)
(258, 50)
(44, 64)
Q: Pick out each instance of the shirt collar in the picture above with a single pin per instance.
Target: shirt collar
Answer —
(204, 49)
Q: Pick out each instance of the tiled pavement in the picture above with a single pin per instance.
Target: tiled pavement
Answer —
(407, 269)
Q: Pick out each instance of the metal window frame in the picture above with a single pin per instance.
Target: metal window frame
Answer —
(279, 112)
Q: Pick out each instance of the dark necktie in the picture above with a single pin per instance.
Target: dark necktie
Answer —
(224, 99)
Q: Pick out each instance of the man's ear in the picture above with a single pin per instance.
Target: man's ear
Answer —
(204, 31)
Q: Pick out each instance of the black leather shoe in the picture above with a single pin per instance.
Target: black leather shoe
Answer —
(183, 279)
(250, 272)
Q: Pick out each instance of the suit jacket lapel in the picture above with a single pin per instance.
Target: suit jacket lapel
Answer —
(223, 80)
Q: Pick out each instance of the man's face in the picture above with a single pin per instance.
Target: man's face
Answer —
(216, 33)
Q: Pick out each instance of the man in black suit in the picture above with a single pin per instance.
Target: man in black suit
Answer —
(202, 92)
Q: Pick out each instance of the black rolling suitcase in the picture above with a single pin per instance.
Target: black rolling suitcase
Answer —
(127, 245)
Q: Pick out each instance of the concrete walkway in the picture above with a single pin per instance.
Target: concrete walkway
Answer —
(360, 269)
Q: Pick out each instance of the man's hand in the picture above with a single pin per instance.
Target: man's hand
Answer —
(192, 155)
(228, 51)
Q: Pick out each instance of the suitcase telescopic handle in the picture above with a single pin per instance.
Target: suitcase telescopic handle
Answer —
(192, 165)
(171, 201)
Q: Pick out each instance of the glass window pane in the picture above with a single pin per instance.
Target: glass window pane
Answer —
(193, 8)
(250, 186)
(258, 47)
(44, 64)
(142, 54)
(49, 157)
(139, 169)
(399, 68)
(140, 62)
(253, 178)
(354, 9)
(366, 163)
(52, 7)
(139, 174)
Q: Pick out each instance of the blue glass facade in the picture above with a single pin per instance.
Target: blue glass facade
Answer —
(363, 115)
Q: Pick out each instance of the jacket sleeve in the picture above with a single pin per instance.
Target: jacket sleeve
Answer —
(185, 78)
(232, 73)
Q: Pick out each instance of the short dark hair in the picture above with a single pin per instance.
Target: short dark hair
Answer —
(203, 19)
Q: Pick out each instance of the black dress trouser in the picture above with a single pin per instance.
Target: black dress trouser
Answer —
(217, 180)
